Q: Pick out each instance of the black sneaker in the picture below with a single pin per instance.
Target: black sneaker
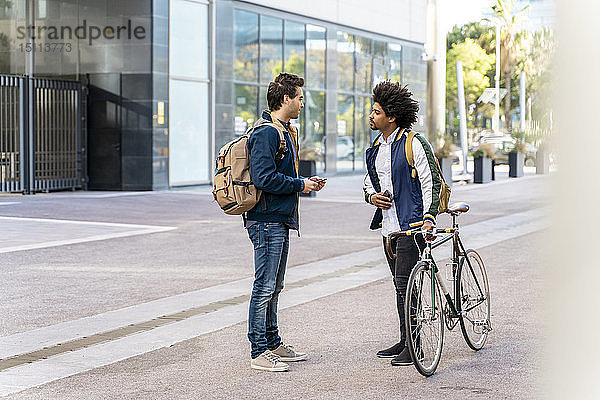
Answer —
(402, 359)
(392, 351)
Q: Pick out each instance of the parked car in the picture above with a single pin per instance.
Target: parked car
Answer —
(345, 148)
(504, 144)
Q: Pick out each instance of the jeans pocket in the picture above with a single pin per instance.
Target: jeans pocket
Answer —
(256, 233)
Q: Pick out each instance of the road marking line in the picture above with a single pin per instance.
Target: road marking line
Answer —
(131, 230)
(304, 283)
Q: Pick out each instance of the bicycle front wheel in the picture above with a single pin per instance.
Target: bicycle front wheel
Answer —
(474, 295)
(424, 318)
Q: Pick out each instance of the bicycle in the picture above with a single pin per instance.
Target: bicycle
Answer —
(424, 315)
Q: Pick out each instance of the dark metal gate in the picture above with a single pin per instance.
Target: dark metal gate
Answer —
(11, 128)
(42, 145)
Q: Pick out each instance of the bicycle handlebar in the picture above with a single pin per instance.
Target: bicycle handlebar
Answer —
(413, 232)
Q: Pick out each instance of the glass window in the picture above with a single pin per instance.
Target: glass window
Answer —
(188, 132)
(189, 40)
(245, 107)
(262, 100)
(12, 58)
(246, 46)
(316, 46)
(362, 131)
(345, 52)
(415, 76)
(381, 64)
(363, 64)
(294, 48)
(395, 62)
(345, 132)
(271, 48)
(311, 138)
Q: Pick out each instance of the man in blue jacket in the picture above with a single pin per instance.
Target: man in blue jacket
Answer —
(275, 172)
(406, 197)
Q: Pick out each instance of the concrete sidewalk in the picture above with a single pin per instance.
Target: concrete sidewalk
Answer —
(342, 327)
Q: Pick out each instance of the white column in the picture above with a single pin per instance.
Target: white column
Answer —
(522, 101)
(435, 48)
(460, 86)
(497, 78)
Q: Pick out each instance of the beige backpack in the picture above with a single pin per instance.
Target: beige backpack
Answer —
(445, 188)
(232, 188)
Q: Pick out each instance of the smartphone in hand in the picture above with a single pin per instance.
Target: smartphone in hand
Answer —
(388, 194)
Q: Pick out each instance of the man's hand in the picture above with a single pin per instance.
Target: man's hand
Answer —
(428, 226)
(310, 185)
(381, 201)
(319, 181)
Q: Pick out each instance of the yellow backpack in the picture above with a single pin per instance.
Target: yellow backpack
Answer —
(445, 188)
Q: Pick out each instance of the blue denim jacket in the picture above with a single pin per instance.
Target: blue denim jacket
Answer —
(278, 180)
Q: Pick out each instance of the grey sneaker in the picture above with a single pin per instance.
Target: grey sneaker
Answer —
(287, 353)
(268, 361)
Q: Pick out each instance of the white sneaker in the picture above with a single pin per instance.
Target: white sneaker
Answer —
(268, 361)
(287, 353)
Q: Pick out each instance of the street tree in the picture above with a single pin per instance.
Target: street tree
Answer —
(511, 43)
(476, 63)
(537, 62)
(482, 33)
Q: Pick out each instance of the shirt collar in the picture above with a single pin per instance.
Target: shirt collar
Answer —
(285, 124)
(392, 137)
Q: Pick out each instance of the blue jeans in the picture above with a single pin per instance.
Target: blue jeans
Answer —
(271, 244)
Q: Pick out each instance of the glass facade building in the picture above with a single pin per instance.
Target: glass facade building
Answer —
(168, 82)
(340, 66)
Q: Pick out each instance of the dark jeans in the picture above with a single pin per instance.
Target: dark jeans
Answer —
(271, 244)
(407, 255)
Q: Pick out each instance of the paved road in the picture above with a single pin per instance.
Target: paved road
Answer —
(150, 293)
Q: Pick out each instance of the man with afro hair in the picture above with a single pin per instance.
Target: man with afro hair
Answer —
(406, 197)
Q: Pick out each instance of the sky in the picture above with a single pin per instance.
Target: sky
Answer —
(454, 12)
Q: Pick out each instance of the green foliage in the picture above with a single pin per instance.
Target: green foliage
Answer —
(539, 67)
(484, 35)
(476, 63)
(511, 43)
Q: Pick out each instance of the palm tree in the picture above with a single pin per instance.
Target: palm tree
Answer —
(510, 20)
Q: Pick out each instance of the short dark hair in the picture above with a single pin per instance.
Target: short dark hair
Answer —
(396, 101)
(283, 84)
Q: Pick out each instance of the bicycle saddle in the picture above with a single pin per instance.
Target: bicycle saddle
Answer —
(456, 208)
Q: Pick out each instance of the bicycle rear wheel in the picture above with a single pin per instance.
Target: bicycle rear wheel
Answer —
(424, 318)
(474, 295)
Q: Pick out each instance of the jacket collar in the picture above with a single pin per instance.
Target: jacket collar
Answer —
(399, 132)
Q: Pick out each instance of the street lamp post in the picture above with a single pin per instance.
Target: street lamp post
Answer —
(497, 77)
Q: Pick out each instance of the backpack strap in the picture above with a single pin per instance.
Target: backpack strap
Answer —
(282, 142)
(408, 150)
(410, 156)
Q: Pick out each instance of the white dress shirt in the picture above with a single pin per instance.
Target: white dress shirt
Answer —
(383, 166)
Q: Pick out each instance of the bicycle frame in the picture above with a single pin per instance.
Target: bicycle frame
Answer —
(426, 308)
(458, 251)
